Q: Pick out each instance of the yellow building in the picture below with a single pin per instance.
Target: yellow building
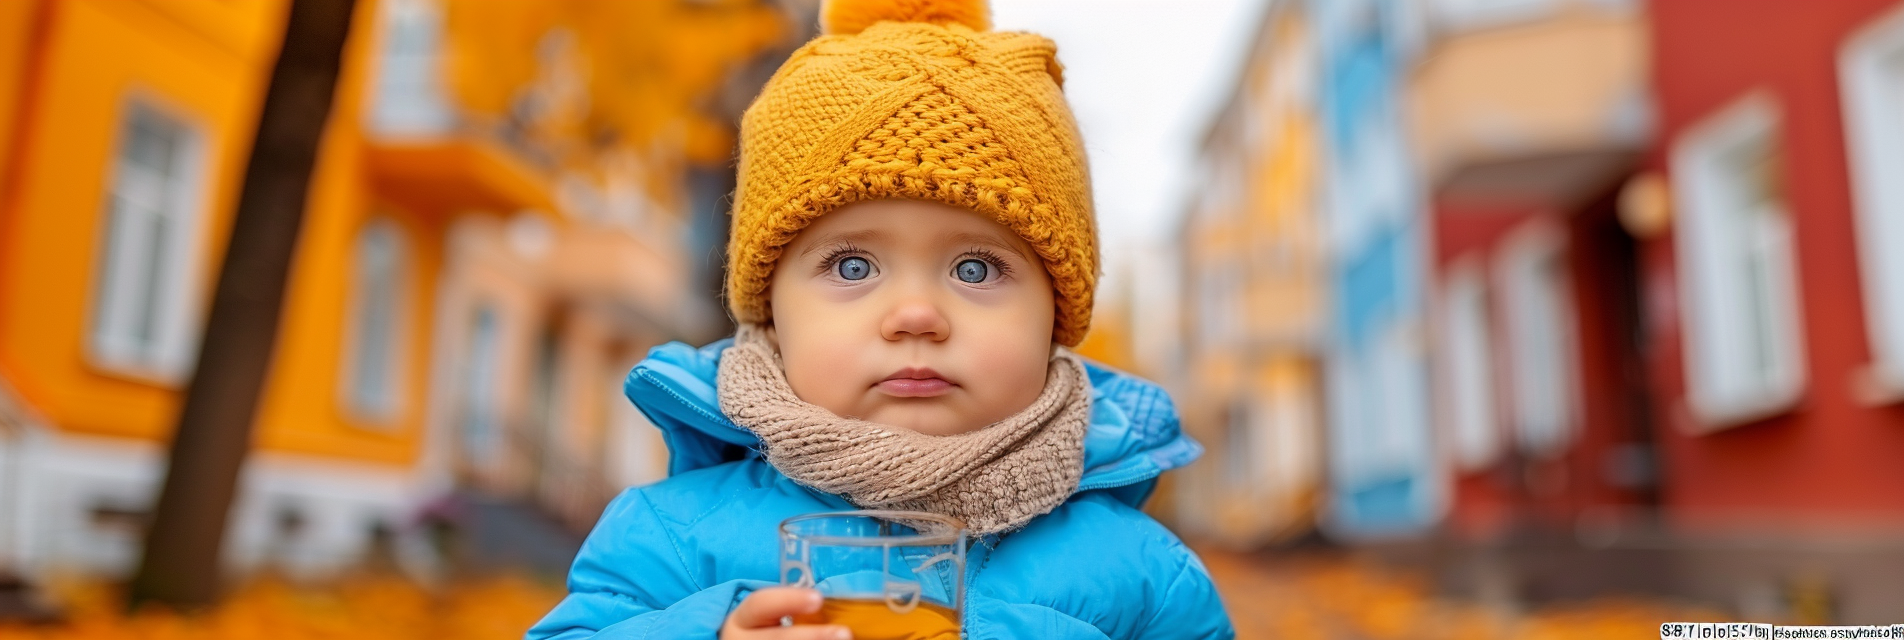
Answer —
(1253, 289)
(497, 227)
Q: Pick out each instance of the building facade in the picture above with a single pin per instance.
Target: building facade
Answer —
(1385, 479)
(1662, 295)
(1773, 285)
(1252, 261)
(1610, 300)
(1305, 363)
(1527, 124)
(498, 227)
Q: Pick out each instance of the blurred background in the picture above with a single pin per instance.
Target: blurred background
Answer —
(1529, 318)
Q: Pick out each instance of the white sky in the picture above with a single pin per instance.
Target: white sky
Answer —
(1143, 78)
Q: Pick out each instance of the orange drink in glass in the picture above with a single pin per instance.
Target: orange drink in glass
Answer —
(887, 575)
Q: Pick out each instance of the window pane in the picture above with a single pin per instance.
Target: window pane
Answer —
(1470, 369)
(1549, 380)
(544, 403)
(152, 144)
(378, 332)
(408, 96)
(479, 428)
(1239, 444)
(1872, 93)
(1540, 323)
(145, 319)
(1741, 336)
(1758, 211)
(146, 254)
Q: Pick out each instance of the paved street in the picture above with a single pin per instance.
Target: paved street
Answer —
(1281, 597)
(1341, 598)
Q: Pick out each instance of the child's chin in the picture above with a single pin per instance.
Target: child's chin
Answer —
(932, 421)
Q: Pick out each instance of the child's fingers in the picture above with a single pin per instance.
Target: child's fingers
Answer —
(801, 632)
(765, 608)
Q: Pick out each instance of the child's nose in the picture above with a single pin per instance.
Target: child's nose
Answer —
(917, 317)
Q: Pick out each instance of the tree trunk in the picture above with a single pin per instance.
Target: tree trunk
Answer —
(181, 563)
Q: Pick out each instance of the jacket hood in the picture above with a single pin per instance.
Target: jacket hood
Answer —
(1134, 435)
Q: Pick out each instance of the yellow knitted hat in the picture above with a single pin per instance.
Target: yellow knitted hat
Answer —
(916, 99)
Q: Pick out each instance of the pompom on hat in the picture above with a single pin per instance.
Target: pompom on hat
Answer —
(853, 16)
(917, 100)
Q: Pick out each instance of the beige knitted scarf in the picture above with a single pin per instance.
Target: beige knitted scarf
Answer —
(995, 479)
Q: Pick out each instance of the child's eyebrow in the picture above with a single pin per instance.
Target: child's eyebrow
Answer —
(830, 240)
(966, 237)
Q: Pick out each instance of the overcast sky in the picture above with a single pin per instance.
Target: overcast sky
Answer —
(1143, 77)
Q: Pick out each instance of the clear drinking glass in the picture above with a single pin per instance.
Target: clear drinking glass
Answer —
(887, 575)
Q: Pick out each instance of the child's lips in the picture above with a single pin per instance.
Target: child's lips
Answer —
(915, 388)
(915, 382)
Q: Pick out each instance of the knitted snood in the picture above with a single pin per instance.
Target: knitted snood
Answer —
(995, 479)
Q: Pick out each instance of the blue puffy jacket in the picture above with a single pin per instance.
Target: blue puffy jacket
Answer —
(669, 560)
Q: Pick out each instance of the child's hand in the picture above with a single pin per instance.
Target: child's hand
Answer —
(757, 617)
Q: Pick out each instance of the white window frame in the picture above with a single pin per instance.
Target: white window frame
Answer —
(129, 276)
(1221, 290)
(480, 425)
(1463, 15)
(408, 98)
(1723, 390)
(385, 400)
(1287, 449)
(1871, 83)
(1542, 338)
(1470, 410)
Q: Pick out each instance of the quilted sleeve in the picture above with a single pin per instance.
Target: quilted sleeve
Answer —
(631, 581)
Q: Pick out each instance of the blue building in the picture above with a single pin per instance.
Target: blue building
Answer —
(1384, 471)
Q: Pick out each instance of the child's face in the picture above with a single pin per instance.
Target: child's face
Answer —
(913, 314)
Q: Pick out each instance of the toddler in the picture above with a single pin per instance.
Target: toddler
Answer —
(913, 248)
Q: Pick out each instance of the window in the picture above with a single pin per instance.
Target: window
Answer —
(1871, 79)
(1209, 311)
(1384, 471)
(1467, 361)
(481, 437)
(1541, 337)
(408, 98)
(1743, 357)
(1475, 14)
(545, 392)
(1220, 299)
(144, 300)
(1239, 447)
(1397, 367)
(375, 372)
(1288, 447)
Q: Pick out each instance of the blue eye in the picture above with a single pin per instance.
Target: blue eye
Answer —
(855, 268)
(973, 271)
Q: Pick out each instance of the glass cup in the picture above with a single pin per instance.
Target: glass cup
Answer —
(887, 575)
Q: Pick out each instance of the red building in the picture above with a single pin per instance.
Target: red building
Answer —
(1527, 124)
(1777, 287)
(1670, 333)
